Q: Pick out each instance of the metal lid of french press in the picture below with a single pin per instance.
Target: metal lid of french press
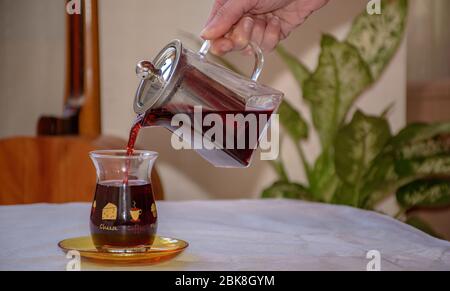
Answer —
(157, 77)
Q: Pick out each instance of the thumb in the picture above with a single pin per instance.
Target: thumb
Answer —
(225, 17)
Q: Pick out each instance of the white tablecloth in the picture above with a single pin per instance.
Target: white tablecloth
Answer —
(233, 235)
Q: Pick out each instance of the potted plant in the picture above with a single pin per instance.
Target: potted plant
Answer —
(362, 161)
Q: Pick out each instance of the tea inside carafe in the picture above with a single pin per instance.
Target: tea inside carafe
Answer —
(200, 90)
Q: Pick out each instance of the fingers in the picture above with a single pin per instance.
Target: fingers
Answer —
(221, 46)
(258, 31)
(237, 39)
(257, 37)
(265, 35)
(225, 17)
(242, 33)
(272, 34)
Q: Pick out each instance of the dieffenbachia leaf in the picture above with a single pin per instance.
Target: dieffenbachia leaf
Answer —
(424, 193)
(293, 122)
(299, 70)
(418, 132)
(339, 79)
(439, 145)
(422, 150)
(377, 37)
(357, 145)
(283, 189)
(379, 181)
(323, 178)
(438, 165)
(418, 151)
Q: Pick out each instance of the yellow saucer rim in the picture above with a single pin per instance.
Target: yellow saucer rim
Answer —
(149, 250)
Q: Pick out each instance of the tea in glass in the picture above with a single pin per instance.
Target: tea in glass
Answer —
(124, 212)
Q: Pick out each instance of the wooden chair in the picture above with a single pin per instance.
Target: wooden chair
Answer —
(54, 167)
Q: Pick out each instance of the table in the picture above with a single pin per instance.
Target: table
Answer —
(233, 235)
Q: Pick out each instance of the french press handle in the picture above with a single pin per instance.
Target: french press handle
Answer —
(259, 57)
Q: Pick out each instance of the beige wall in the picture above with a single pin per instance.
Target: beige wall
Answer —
(138, 29)
(31, 63)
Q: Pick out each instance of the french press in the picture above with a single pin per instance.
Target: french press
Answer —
(180, 82)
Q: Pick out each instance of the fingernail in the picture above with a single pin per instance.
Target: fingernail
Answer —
(207, 30)
(204, 32)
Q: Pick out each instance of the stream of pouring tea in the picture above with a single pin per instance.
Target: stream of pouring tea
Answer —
(134, 132)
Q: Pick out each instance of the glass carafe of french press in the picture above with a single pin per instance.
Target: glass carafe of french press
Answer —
(229, 111)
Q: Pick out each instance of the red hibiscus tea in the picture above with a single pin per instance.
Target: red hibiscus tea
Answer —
(123, 215)
(225, 154)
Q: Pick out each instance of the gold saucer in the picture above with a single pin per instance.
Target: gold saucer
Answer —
(162, 249)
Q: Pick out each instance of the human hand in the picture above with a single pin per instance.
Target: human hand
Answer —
(232, 24)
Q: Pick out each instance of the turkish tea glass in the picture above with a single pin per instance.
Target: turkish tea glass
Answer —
(123, 215)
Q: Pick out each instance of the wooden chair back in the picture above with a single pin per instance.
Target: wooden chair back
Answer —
(53, 169)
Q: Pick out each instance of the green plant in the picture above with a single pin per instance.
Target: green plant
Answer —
(361, 161)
